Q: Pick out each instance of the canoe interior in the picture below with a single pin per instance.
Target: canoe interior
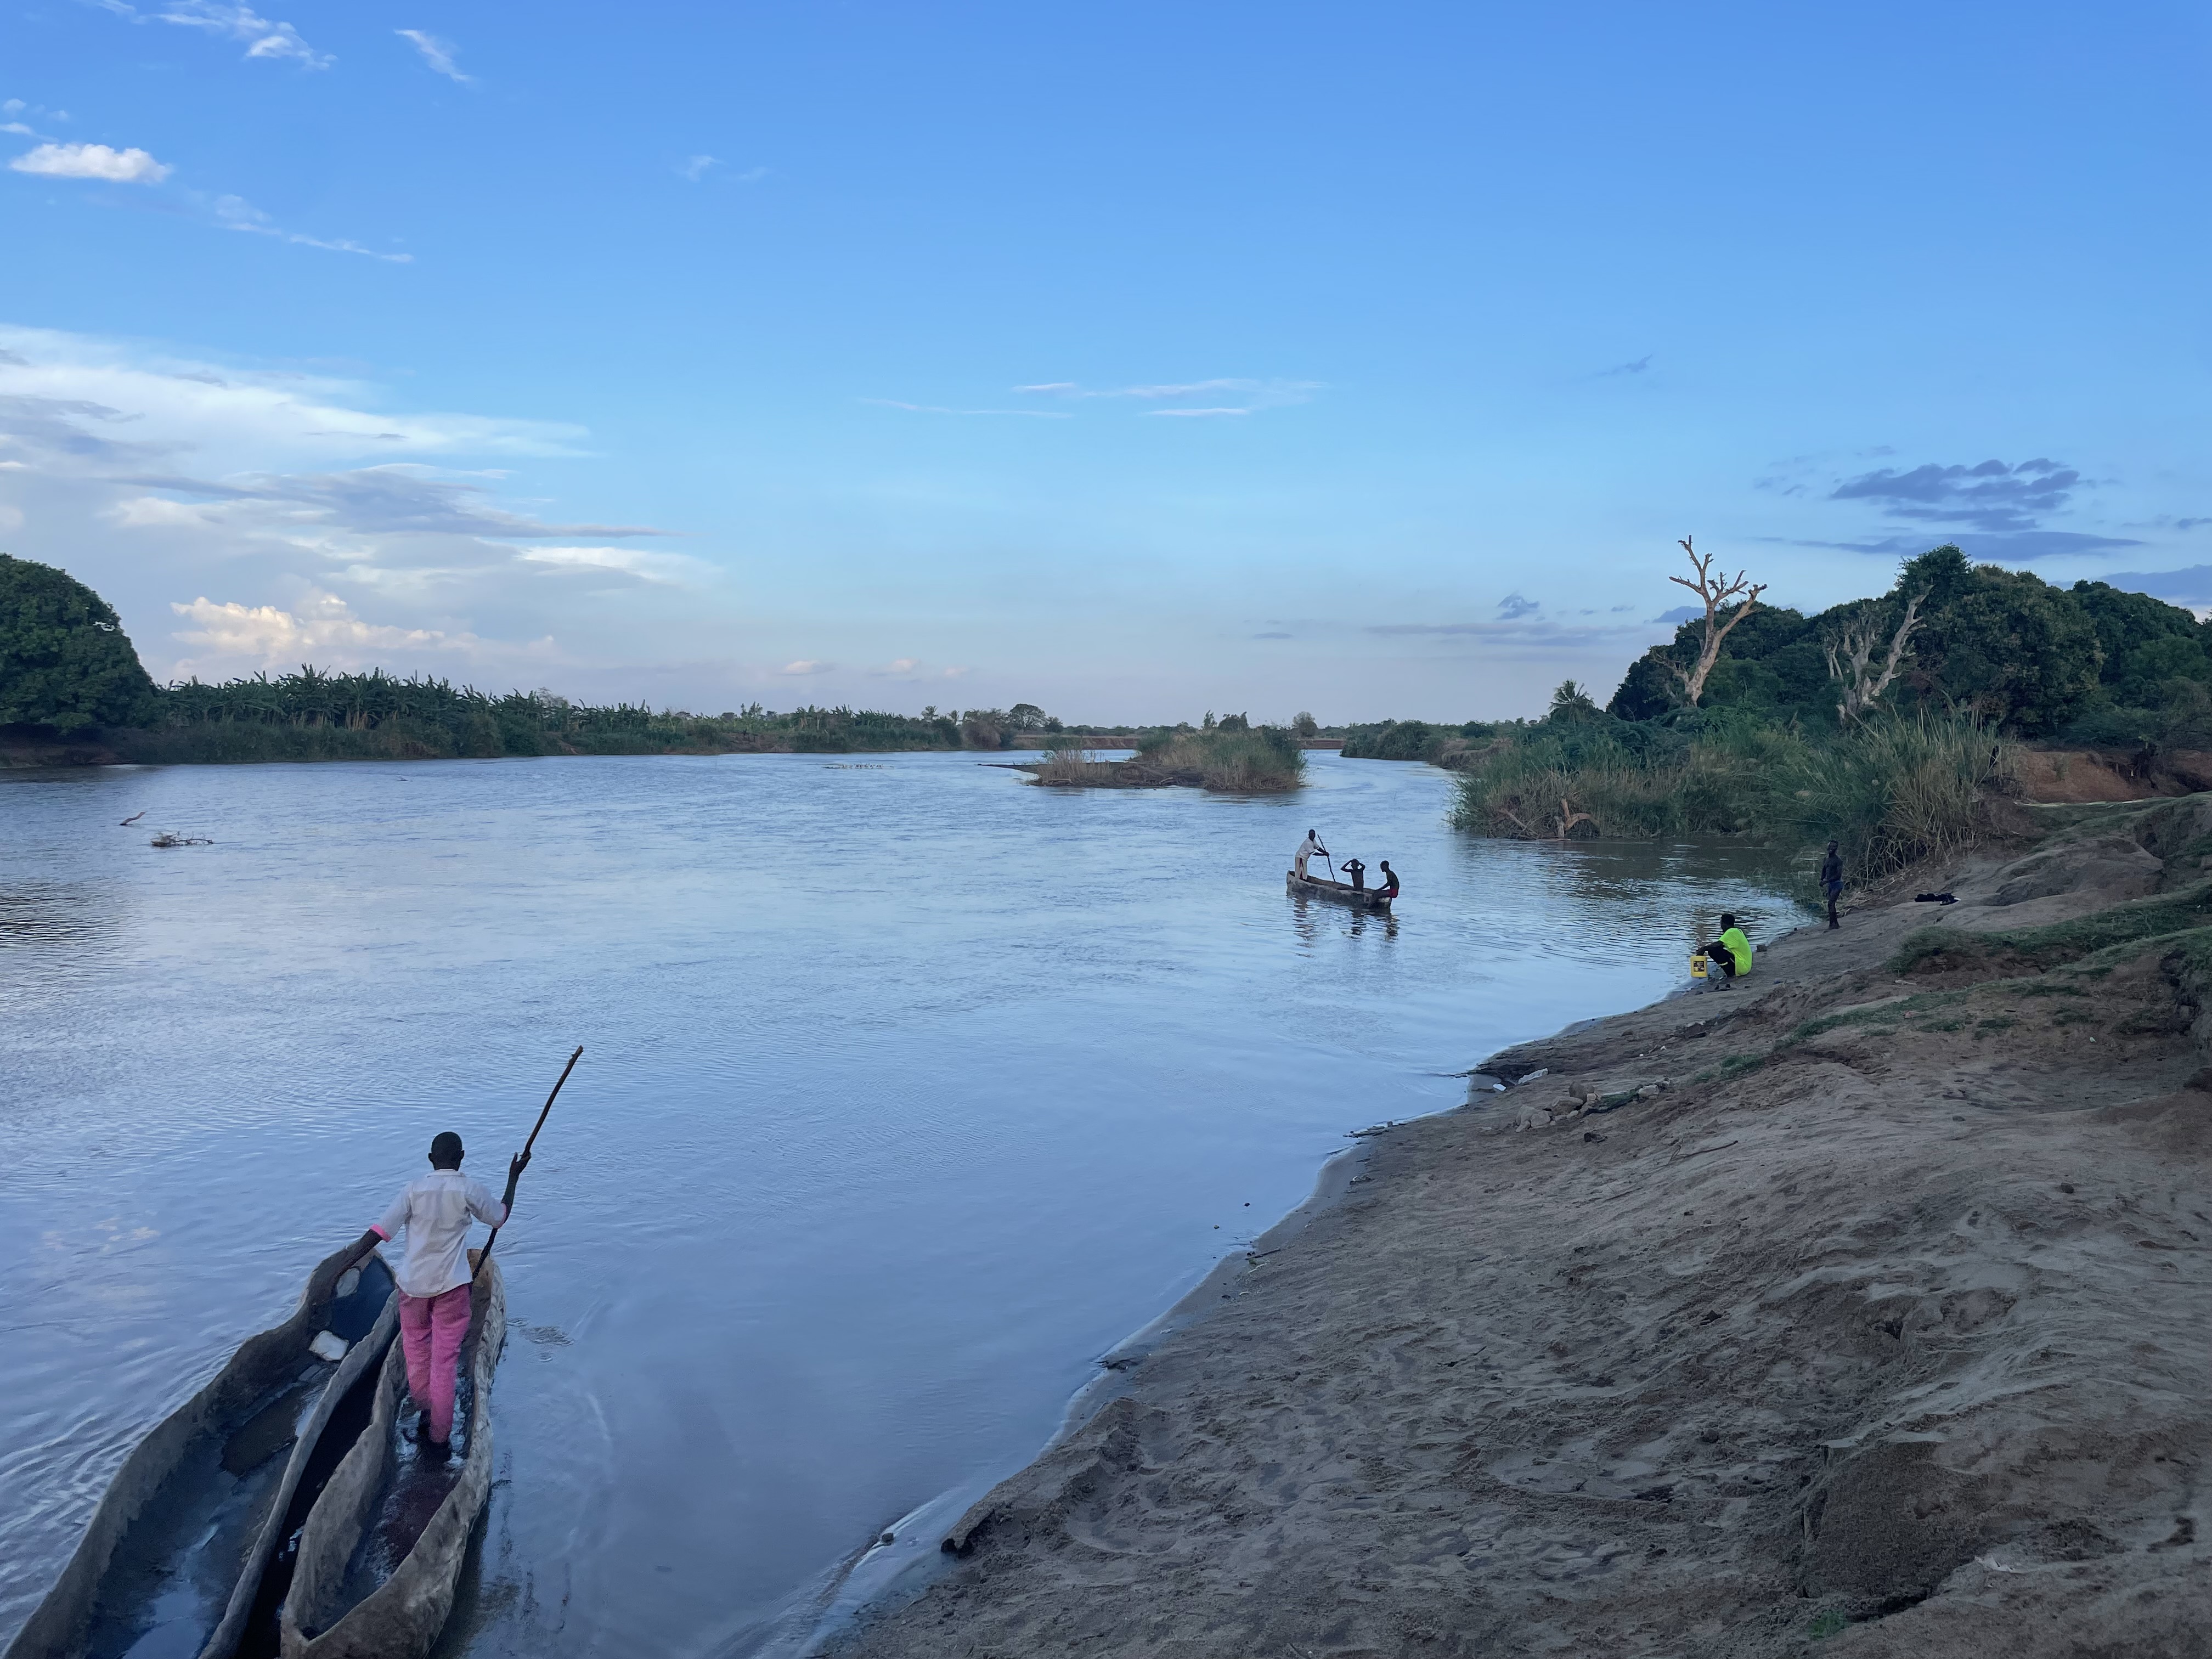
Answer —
(381, 1551)
(169, 1565)
(1343, 892)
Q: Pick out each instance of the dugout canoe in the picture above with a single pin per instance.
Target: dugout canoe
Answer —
(175, 1555)
(383, 1547)
(1343, 892)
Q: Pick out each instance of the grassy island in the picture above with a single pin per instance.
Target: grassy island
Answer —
(1230, 756)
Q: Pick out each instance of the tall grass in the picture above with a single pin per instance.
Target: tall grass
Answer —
(1890, 792)
(1265, 760)
(1070, 764)
(1897, 791)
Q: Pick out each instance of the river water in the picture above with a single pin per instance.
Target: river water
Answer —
(908, 1089)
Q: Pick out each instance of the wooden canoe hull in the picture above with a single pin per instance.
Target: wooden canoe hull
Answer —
(402, 1616)
(181, 1514)
(1339, 892)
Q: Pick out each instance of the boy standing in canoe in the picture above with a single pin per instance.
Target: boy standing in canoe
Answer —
(434, 1211)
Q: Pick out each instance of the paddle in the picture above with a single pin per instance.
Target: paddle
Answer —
(484, 1254)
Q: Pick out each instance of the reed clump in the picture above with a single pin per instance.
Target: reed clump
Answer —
(1262, 760)
(1073, 765)
(1890, 792)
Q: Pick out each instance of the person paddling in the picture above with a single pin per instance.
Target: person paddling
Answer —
(435, 1210)
(1831, 881)
(1310, 848)
(1390, 888)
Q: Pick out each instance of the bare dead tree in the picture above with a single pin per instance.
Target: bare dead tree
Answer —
(1716, 588)
(1850, 655)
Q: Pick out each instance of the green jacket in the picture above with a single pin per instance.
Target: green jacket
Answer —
(1738, 947)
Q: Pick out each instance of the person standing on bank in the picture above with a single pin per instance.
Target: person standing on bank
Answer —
(1831, 881)
(434, 1211)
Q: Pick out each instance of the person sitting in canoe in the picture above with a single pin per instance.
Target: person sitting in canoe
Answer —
(1389, 887)
(434, 1209)
(1356, 873)
(1307, 848)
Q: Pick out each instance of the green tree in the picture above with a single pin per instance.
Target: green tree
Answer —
(64, 661)
(1571, 702)
(2147, 643)
(2005, 641)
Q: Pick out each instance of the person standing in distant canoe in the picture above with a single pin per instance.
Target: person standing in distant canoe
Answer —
(1831, 881)
(1310, 848)
(434, 1211)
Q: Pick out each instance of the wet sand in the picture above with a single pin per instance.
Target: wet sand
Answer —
(1841, 1308)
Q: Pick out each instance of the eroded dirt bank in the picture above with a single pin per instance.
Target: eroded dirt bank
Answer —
(1881, 1327)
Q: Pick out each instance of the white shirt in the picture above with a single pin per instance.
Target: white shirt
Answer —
(1307, 848)
(435, 1210)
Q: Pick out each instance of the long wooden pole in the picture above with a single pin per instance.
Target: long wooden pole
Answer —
(484, 1254)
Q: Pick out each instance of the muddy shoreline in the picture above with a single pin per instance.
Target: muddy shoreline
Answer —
(1866, 1303)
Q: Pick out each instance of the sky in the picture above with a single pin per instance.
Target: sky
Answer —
(1134, 361)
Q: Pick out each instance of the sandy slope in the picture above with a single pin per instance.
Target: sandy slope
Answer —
(1885, 1338)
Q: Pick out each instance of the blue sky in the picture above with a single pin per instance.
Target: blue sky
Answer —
(1133, 360)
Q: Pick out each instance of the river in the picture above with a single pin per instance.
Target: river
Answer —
(908, 1089)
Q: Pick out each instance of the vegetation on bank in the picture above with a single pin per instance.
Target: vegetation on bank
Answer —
(1415, 740)
(2088, 665)
(312, 715)
(66, 662)
(1883, 723)
(1890, 792)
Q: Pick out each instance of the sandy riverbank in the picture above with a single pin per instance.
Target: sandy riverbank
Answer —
(1882, 1325)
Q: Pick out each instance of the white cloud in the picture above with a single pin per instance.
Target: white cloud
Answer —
(263, 38)
(912, 669)
(153, 512)
(671, 570)
(87, 404)
(115, 166)
(436, 52)
(806, 666)
(938, 408)
(236, 213)
(697, 167)
(18, 129)
(322, 629)
(1257, 394)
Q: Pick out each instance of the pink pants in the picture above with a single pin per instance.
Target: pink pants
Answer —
(431, 1329)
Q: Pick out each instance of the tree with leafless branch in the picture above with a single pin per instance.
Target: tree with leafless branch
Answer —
(1850, 657)
(1716, 588)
